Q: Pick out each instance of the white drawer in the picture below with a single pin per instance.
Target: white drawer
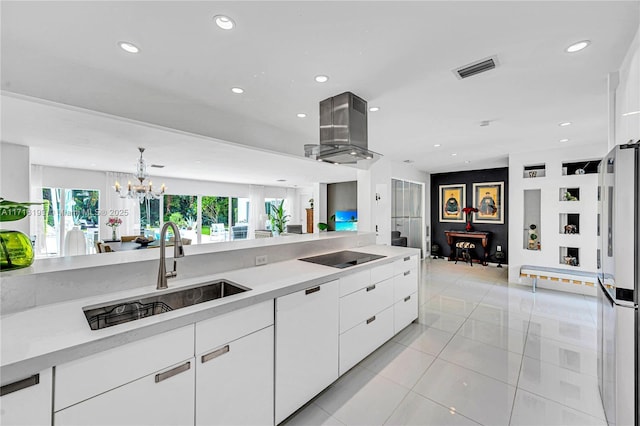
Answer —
(364, 338)
(381, 273)
(225, 328)
(78, 380)
(364, 303)
(355, 282)
(405, 311)
(405, 263)
(405, 283)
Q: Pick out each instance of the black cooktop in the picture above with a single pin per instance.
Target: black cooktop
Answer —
(343, 259)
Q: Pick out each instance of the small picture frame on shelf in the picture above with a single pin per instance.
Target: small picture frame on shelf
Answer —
(452, 199)
(488, 198)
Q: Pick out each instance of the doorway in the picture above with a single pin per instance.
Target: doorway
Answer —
(407, 211)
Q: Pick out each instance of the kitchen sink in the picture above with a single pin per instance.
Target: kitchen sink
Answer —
(114, 313)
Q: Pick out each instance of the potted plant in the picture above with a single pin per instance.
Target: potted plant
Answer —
(277, 218)
(16, 250)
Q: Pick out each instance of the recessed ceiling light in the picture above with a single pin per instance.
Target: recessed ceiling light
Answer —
(437, 145)
(566, 123)
(319, 159)
(626, 114)
(576, 47)
(454, 154)
(237, 90)
(353, 153)
(301, 115)
(322, 78)
(564, 140)
(224, 22)
(368, 157)
(467, 161)
(374, 109)
(128, 47)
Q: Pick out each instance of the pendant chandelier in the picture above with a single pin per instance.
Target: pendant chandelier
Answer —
(140, 191)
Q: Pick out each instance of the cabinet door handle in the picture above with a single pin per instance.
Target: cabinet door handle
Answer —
(371, 287)
(372, 319)
(407, 258)
(215, 354)
(406, 299)
(174, 371)
(407, 273)
(19, 385)
(312, 290)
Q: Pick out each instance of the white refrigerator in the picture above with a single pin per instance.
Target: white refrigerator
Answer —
(618, 274)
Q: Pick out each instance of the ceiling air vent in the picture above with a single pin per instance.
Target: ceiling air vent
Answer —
(158, 166)
(476, 67)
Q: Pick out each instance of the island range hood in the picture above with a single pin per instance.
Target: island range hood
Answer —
(343, 132)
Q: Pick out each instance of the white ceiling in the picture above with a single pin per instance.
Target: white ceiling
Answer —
(397, 55)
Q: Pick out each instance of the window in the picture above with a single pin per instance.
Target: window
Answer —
(64, 209)
(215, 219)
(183, 211)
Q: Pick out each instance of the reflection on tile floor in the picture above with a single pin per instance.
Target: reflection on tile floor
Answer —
(482, 352)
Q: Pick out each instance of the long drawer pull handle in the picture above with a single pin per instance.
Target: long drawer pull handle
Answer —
(174, 371)
(407, 258)
(371, 287)
(372, 319)
(312, 290)
(407, 273)
(19, 385)
(406, 299)
(215, 354)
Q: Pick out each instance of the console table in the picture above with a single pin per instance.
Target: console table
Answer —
(452, 236)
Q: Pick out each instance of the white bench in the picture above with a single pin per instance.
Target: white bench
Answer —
(559, 275)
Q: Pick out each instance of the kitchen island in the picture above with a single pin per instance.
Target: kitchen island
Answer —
(368, 303)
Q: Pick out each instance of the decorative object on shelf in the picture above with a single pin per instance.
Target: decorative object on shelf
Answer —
(277, 218)
(113, 223)
(488, 198)
(533, 236)
(311, 203)
(140, 192)
(571, 260)
(16, 249)
(452, 197)
(570, 229)
(467, 211)
(569, 197)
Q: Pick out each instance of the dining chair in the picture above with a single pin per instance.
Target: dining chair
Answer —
(128, 238)
(99, 247)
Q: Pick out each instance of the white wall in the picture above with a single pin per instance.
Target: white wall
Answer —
(551, 207)
(14, 180)
(627, 96)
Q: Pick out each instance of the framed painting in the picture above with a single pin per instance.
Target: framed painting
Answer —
(452, 199)
(488, 198)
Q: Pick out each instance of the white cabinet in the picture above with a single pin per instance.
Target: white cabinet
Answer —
(306, 346)
(162, 398)
(27, 401)
(405, 292)
(364, 338)
(234, 368)
(234, 383)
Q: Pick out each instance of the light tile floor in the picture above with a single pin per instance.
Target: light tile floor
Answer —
(483, 352)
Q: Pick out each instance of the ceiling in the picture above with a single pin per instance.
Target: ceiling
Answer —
(398, 56)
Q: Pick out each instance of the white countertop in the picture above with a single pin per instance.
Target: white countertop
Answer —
(49, 335)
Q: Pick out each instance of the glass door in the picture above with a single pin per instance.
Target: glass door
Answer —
(406, 211)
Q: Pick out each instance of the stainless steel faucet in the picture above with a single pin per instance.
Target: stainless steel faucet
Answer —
(178, 251)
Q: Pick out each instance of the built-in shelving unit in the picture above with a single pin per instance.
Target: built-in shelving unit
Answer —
(570, 256)
(564, 208)
(570, 223)
(535, 171)
(569, 194)
(580, 167)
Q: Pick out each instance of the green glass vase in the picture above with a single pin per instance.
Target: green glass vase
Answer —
(15, 251)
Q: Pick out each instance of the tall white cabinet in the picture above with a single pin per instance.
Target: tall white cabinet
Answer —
(306, 346)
